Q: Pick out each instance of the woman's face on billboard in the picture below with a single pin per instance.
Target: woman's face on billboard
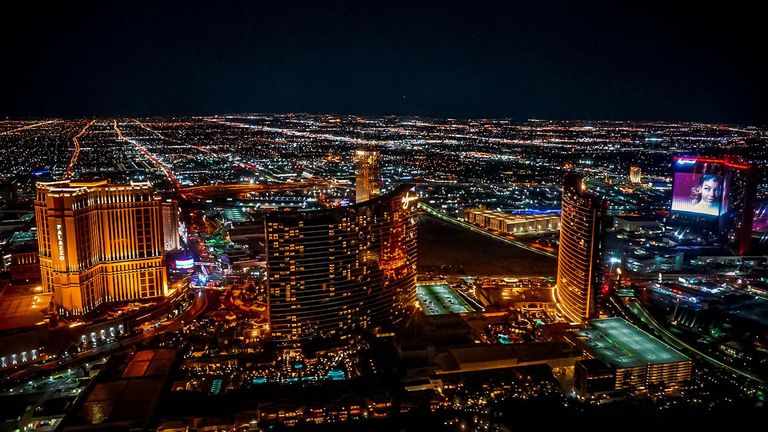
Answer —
(709, 191)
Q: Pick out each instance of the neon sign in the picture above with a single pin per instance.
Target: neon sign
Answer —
(407, 199)
(185, 263)
(60, 241)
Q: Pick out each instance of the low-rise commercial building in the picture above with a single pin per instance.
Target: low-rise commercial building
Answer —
(512, 224)
(623, 358)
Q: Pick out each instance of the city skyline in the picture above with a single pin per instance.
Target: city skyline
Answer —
(248, 259)
(336, 215)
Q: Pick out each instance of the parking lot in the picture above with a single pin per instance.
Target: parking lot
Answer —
(440, 298)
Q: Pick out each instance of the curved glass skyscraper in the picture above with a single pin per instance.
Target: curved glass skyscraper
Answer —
(334, 272)
(580, 262)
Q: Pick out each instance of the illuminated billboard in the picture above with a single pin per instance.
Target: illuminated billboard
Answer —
(185, 263)
(699, 193)
(699, 189)
(716, 194)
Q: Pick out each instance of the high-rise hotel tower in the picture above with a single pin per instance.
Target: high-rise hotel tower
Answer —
(367, 175)
(333, 273)
(580, 258)
(99, 243)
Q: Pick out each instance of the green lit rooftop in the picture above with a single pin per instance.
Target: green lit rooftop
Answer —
(23, 237)
(235, 215)
(622, 345)
(440, 298)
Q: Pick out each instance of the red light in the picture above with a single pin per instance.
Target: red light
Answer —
(725, 161)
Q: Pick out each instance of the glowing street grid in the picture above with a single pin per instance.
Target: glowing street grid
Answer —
(439, 299)
(622, 345)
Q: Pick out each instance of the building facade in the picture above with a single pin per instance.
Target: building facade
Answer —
(332, 273)
(367, 176)
(731, 206)
(621, 358)
(170, 210)
(635, 174)
(21, 260)
(99, 243)
(738, 221)
(580, 260)
(24, 266)
(506, 223)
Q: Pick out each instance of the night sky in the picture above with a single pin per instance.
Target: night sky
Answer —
(554, 60)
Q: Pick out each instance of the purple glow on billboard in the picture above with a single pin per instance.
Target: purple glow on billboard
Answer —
(760, 221)
(760, 225)
(699, 193)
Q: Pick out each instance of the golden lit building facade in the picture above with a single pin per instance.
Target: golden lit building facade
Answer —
(506, 223)
(635, 174)
(99, 243)
(580, 262)
(332, 273)
(367, 175)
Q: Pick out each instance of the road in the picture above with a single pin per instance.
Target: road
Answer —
(32, 126)
(143, 150)
(292, 132)
(76, 153)
(210, 191)
(246, 165)
(193, 311)
(637, 309)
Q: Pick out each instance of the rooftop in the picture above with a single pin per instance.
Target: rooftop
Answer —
(509, 217)
(440, 298)
(22, 237)
(486, 357)
(22, 310)
(124, 396)
(622, 345)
